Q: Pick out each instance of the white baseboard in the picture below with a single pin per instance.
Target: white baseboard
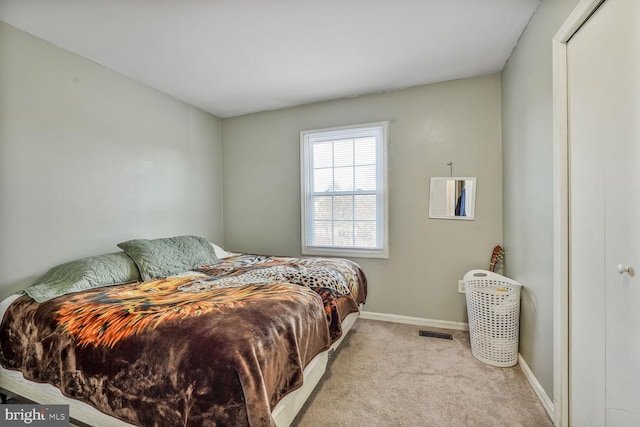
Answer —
(396, 318)
(542, 395)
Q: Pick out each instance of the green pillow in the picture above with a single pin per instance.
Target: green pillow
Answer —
(85, 273)
(170, 255)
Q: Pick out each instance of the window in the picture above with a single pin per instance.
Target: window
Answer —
(344, 191)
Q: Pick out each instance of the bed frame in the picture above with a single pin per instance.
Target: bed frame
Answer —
(13, 384)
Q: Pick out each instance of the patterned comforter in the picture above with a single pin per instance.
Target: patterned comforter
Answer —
(217, 346)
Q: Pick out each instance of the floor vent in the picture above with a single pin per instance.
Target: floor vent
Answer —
(432, 334)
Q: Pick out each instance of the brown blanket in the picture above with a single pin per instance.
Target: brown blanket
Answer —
(218, 347)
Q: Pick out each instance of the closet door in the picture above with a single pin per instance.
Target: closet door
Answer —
(604, 115)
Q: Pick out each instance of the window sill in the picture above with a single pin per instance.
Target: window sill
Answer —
(346, 253)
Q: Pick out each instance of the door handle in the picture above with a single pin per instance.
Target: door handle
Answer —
(624, 269)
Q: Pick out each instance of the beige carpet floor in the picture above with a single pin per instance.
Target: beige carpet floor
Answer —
(385, 374)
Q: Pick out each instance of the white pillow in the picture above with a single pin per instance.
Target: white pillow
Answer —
(221, 253)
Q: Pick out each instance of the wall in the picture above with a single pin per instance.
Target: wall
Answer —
(527, 107)
(89, 158)
(457, 121)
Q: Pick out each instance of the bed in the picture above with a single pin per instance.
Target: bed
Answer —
(225, 339)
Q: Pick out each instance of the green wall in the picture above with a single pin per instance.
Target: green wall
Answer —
(456, 121)
(89, 158)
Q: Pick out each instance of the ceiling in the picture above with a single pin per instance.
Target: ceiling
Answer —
(233, 57)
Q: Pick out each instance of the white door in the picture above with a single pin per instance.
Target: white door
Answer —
(604, 155)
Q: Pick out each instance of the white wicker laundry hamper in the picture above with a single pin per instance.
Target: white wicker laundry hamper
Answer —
(493, 306)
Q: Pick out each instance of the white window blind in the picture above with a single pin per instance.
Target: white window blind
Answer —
(344, 185)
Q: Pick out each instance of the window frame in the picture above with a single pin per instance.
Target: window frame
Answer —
(382, 194)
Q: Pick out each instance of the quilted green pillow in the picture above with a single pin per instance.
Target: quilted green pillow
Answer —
(85, 273)
(170, 255)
